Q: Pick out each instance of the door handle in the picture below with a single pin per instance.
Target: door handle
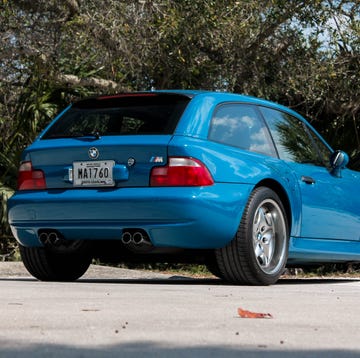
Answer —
(308, 180)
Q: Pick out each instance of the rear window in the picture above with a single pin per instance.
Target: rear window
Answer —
(125, 114)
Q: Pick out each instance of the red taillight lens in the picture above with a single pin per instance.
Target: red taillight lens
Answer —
(181, 172)
(30, 179)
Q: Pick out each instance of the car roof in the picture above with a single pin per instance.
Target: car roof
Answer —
(220, 96)
(216, 96)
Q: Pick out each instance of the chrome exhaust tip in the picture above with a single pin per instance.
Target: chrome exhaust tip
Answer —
(43, 237)
(51, 238)
(126, 238)
(54, 239)
(138, 238)
(135, 237)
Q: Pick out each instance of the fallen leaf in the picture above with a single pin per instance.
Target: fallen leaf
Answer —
(248, 314)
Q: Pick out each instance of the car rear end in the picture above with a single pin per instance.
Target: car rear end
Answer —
(122, 168)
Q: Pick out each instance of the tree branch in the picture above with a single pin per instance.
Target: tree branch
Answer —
(73, 7)
(100, 83)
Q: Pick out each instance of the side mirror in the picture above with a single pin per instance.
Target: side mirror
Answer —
(338, 161)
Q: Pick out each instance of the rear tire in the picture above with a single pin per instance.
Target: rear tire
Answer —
(258, 253)
(212, 265)
(47, 265)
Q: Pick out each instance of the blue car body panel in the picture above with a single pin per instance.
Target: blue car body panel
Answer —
(330, 206)
(175, 217)
(324, 216)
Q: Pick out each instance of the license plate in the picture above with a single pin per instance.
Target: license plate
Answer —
(99, 173)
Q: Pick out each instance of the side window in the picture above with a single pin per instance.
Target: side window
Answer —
(293, 140)
(324, 150)
(239, 125)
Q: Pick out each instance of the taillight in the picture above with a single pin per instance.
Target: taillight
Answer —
(181, 172)
(30, 179)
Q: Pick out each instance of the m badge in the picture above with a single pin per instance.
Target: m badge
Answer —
(157, 160)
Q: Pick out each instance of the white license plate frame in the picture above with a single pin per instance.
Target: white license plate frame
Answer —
(98, 173)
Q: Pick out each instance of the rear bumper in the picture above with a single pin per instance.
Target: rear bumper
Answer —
(193, 217)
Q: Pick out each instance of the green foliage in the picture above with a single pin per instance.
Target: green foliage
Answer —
(7, 244)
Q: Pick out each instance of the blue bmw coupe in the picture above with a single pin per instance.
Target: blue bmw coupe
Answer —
(244, 185)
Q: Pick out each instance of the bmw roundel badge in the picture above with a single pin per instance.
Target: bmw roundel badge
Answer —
(131, 161)
(93, 153)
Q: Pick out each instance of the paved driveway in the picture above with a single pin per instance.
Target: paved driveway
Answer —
(123, 313)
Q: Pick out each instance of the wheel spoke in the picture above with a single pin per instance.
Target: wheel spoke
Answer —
(268, 248)
(264, 232)
(269, 219)
(260, 220)
(258, 250)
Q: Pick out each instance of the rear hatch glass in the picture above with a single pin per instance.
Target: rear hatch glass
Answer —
(120, 115)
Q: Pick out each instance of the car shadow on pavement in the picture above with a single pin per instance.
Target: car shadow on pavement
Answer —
(15, 271)
(173, 280)
(156, 350)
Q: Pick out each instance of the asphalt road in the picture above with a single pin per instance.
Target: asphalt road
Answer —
(123, 313)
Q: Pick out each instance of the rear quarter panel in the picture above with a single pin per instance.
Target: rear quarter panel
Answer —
(235, 166)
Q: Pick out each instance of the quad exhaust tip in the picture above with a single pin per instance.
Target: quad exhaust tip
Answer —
(132, 237)
(51, 238)
(135, 237)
